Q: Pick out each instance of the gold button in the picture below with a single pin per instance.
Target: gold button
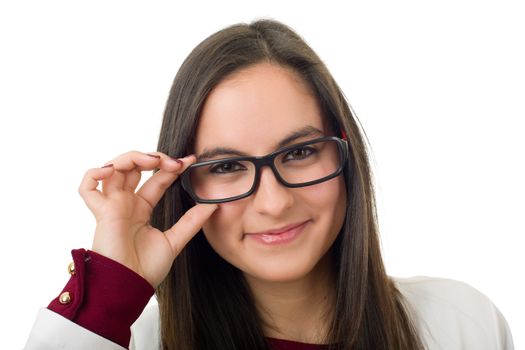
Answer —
(64, 298)
(71, 268)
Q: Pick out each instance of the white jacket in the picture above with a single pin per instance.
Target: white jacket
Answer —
(450, 315)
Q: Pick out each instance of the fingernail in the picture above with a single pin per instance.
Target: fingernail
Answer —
(107, 165)
(177, 160)
(153, 155)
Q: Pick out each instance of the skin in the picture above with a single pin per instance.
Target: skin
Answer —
(252, 111)
(122, 214)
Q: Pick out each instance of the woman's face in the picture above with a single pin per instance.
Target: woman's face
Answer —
(251, 112)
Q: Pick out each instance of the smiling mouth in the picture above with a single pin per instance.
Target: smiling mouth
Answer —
(280, 236)
(278, 231)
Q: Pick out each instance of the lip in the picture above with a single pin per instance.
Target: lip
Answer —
(280, 236)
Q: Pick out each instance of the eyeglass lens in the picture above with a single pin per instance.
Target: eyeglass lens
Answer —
(230, 178)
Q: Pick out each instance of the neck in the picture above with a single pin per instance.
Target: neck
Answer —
(298, 310)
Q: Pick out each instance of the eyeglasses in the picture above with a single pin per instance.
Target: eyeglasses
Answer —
(229, 179)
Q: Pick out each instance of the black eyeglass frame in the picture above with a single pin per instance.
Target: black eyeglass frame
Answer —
(267, 160)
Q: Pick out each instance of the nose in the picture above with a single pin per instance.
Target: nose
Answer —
(271, 197)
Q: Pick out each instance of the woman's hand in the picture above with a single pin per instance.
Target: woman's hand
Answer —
(123, 232)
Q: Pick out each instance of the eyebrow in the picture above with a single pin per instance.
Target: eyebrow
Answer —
(226, 151)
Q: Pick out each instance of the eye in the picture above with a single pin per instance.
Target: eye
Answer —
(227, 167)
(299, 153)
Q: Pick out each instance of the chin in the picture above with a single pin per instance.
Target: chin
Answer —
(278, 272)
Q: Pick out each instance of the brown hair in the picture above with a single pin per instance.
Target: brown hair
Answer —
(205, 302)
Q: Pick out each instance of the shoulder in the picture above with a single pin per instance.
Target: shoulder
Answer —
(449, 315)
(453, 315)
(428, 292)
(145, 332)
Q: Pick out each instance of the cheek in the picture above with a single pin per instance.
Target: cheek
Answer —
(327, 196)
(224, 225)
(328, 203)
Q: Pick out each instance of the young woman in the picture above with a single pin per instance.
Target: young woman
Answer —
(258, 228)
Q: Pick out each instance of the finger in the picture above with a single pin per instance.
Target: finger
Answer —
(188, 225)
(129, 164)
(88, 187)
(154, 188)
(166, 163)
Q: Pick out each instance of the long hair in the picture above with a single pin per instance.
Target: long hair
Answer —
(205, 302)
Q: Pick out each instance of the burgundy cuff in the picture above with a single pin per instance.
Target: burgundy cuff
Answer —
(103, 296)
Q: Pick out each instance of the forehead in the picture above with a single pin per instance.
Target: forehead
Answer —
(255, 108)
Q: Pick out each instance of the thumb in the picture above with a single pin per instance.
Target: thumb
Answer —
(188, 225)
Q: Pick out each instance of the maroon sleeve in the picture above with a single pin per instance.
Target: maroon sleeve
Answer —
(102, 296)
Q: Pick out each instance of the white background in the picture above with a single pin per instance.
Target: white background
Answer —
(438, 86)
